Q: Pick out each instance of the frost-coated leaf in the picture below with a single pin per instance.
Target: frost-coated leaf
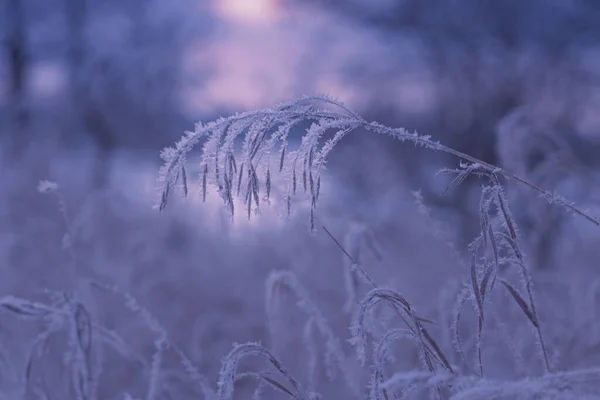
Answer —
(521, 302)
(165, 197)
(184, 180)
(318, 190)
(268, 183)
(475, 285)
(282, 158)
(84, 328)
(485, 280)
(24, 307)
(294, 180)
(240, 176)
(204, 181)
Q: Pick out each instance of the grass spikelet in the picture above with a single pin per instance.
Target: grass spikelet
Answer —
(184, 180)
(380, 355)
(240, 176)
(334, 355)
(204, 181)
(359, 330)
(330, 114)
(81, 349)
(282, 158)
(268, 183)
(227, 376)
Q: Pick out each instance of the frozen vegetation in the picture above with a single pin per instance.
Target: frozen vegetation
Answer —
(432, 234)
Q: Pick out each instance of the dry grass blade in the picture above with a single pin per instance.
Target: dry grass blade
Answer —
(26, 308)
(521, 302)
(227, 376)
(81, 344)
(355, 265)
(233, 163)
(484, 220)
(520, 262)
(255, 186)
(477, 294)
(304, 178)
(294, 181)
(475, 285)
(268, 183)
(184, 180)
(264, 377)
(505, 213)
(240, 176)
(513, 245)
(457, 341)
(437, 350)
(278, 385)
(430, 345)
(165, 197)
(204, 183)
(489, 272)
(282, 158)
(462, 175)
(83, 326)
(37, 347)
(495, 249)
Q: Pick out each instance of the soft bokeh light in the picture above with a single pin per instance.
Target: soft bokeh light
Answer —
(105, 87)
(48, 80)
(247, 12)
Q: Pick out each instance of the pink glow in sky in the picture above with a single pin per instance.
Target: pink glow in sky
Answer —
(262, 54)
(247, 12)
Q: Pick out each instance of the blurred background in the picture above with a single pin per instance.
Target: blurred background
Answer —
(91, 91)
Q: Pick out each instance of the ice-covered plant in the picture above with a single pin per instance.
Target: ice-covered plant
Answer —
(229, 374)
(246, 172)
(87, 339)
(335, 359)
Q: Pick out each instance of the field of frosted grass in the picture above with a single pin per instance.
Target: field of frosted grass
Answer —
(107, 298)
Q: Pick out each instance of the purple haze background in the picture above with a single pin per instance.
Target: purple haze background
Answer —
(453, 69)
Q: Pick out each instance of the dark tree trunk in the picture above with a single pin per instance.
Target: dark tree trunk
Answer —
(19, 117)
(89, 115)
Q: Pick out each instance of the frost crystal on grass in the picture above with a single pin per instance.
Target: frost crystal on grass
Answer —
(47, 186)
(246, 172)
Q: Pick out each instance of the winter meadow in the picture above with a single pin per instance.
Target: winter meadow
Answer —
(299, 199)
